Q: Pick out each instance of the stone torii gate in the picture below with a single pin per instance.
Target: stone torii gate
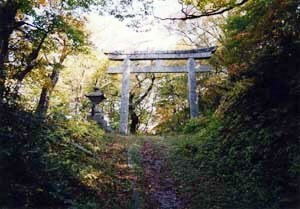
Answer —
(158, 56)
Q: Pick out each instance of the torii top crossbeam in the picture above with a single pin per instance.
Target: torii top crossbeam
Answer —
(203, 53)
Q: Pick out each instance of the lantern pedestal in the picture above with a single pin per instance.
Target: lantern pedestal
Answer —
(98, 117)
(96, 97)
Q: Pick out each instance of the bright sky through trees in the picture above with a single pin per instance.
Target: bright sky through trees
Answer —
(108, 33)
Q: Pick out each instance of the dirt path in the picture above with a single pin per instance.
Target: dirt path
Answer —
(159, 186)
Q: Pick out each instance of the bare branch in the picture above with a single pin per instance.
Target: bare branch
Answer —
(189, 16)
(139, 100)
(21, 23)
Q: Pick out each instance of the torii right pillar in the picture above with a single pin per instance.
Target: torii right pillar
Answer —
(192, 83)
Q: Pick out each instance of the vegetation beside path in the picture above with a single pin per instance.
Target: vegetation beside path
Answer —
(61, 163)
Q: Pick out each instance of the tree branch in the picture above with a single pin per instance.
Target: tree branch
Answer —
(30, 61)
(218, 11)
(139, 100)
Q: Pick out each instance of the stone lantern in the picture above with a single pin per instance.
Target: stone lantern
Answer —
(96, 97)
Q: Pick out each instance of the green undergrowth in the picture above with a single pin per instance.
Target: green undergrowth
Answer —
(246, 170)
(188, 154)
(247, 154)
(60, 163)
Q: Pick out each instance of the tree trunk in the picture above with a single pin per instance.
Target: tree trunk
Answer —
(43, 104)
(8, 13)
(3, 55)
(133, 116)
(47, 90)
(134, 122)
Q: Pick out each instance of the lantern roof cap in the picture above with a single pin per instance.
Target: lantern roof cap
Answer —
(96, 93)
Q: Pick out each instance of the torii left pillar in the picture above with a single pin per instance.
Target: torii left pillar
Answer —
(192, 83)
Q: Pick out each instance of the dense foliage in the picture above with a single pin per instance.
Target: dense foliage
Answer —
(59, 163)
(246, 155)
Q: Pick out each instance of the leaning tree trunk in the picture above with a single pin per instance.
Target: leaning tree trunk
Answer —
(47, 90)
(135, 119)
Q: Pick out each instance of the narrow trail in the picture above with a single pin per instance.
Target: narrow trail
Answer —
(159, 186)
